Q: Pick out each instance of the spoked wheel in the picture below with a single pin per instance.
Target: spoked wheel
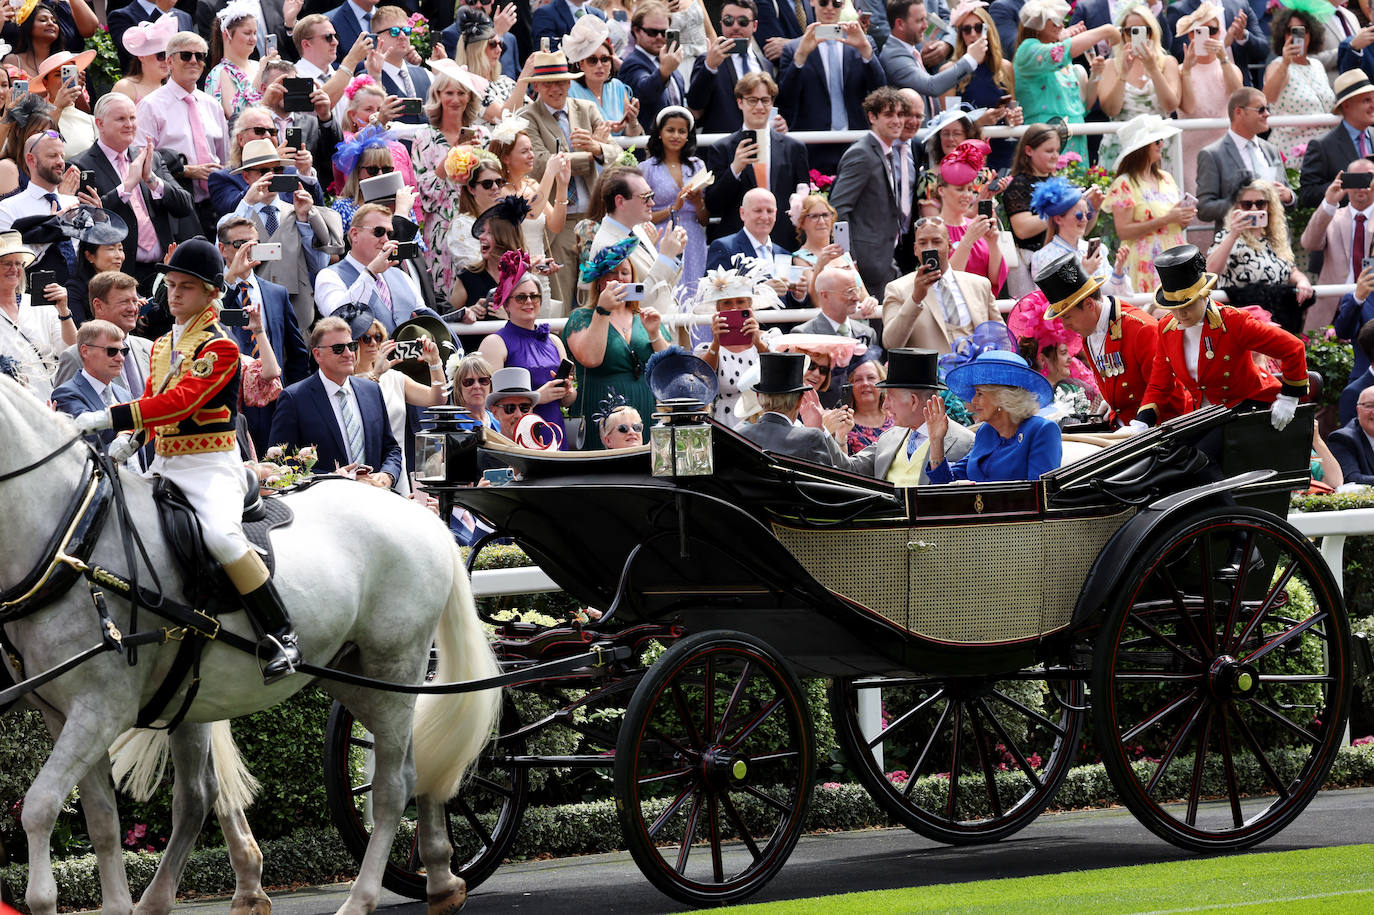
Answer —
(1221, 680)
(713, 768)
(482, 819)
(962, 760)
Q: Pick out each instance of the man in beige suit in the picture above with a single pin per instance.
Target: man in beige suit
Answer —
(1332, 229)
(629, 205)
(931, 308)
(562, 124)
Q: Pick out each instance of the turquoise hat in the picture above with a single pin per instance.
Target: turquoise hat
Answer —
(998, 367)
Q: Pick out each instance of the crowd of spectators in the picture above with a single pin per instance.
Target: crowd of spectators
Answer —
(543, 161)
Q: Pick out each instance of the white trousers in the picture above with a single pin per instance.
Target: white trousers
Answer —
(214, 484)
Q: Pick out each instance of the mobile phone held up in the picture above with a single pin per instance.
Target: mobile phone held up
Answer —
(734, 334)
(841, 236)
(930, 258)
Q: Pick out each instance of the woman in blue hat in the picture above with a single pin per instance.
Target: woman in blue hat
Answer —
(1012, 442)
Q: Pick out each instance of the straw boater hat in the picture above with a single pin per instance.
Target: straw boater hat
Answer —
(1183, 277)
(13, 243)
(1065, 284)
(550, 67)
(256, 154)
(1139, 132)
(588, 34)
(1350, 84)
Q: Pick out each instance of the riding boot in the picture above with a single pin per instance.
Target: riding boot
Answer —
(277, 646)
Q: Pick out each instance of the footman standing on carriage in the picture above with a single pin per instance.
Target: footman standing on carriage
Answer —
(1205, 347)
(191, 405)
(1121, 340)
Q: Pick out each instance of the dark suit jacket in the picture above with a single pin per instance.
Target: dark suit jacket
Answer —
(1326, 155)
(1350, 394)
(227, 190)
(713, 95)
(839, 374)
(640, 72)
(788, 165)
(346, 24)
(554, 20)
(1220, 170)
(420, 77)
(778, 19)
(1351, 448)
(1006, 16)
(274, 20)
(802, 91)
(304, 416)
(175, 202)
(774, 433)
(76, 396)
(723, 250)
(1091, 13)
(284, 333)
(121, 20)
(862, 196)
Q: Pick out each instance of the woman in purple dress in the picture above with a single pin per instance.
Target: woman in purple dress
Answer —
(669, 171)
(522, 343)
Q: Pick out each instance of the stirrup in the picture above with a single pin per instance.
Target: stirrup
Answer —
(283, 654)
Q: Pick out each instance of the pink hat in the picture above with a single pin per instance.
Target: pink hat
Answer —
(148, 38)
(963, 165)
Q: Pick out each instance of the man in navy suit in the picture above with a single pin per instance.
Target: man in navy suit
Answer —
(711, 93)
(778, 24)
(100, 382)
(247, 290)
(399, 78)
(779, 160)
(650, 70)
(1351, 443)
(1006, 15)
(125, 18)
(342, 415)
(555, 19)
(821, 84)
(350, 20)
(757, 212)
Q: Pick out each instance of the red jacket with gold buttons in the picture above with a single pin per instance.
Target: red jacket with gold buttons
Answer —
(1226, 373)
(1128, 355)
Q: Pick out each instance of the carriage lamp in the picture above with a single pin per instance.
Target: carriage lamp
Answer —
(684, 387)
(446, 455)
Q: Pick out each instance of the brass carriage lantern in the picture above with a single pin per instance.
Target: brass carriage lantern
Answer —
(684, 387)
(446, 455)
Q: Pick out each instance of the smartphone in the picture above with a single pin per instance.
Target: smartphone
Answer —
(1258, 219)
(88, 179)
(749, 136)
(741, 46)
(847, 395)
(70, 74)
(283, 184)
(865, 19)
(233, 317)
(1093, 245)
(672, 37)
(734, 334)
(634, 292)
(841, 235)
(294, 137)
(1357, 181)
(564, 370)
(930, 258)
(297, 97)
(265, 251)
(406, 250)
(829, 33)
(985, 208)
(38, 281)
(1189, 200)
(1366, 264)
(411, 107)
(270, 45)
(498, 475)
(18, 89)
(1297, 35)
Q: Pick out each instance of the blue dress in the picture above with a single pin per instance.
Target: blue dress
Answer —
(666, 189)
(1036, 448)
(614, 95)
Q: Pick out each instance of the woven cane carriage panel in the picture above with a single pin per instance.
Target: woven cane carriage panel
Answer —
(866, 566)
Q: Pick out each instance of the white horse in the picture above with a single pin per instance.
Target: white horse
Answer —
(369, 579)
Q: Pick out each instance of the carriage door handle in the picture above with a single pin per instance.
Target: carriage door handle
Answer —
(919, 546)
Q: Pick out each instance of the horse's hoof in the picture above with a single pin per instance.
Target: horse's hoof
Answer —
(450, 904)
(251, 905)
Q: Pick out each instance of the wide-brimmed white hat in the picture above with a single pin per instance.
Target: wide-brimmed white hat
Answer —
(588, 34)
(1037, 14)
(470, 81)
(1139, 132)
(13, 243)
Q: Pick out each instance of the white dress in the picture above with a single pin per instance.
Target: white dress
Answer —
(465, 249)
(393, 385)
(730, 368)
(691, 22)
(34, 342)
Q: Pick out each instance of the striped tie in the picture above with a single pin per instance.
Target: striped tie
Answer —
(353, 430)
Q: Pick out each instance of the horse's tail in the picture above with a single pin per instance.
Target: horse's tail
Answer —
(138, 758)
(451, 730)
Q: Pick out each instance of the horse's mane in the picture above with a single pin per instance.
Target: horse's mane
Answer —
(32, 413)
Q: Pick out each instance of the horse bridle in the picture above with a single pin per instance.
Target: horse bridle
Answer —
(41, 461)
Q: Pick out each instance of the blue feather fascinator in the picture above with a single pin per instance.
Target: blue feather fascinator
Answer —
(607, 259)
(1054, 197)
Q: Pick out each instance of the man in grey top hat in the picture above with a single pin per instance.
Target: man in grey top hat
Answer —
(779, 390)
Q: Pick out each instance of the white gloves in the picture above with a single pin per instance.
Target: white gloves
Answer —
(1281, 414)
(123, 448)
(1134, 427)
(94, 421)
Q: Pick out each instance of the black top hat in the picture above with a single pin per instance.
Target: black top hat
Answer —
(1183, 276)
(781, 373)
(1065, 284)
(918, 369)
(198, 258)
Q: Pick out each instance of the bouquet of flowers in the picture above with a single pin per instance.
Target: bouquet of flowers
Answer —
(1072, 167)
(421, 38)
(282, 468)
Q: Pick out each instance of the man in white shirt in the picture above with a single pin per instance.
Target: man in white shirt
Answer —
(50, 190)
(114, 299)
(317, 41)
(368, 275)
(629, 203)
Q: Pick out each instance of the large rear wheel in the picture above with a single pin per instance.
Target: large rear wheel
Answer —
(1221, 680)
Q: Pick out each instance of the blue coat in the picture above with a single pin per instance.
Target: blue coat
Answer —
(349, 28)
(778, 19)
(284, 333)
(420, 77)
(76, 396)
(227, 190)
(554, 20)
(304, 416)
(802, 92)
(640, 72)
(1035, 449)
(722, 250)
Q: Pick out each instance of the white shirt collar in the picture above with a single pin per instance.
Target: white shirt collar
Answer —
(331, 389)
(96, 383)
(755, 243)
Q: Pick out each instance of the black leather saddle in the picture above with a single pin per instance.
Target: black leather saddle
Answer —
(207, 586)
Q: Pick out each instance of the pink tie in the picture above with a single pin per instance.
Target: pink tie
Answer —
(201, 144)
(147, 235)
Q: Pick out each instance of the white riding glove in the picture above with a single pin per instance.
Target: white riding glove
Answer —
(1134, 427)
(94, 421)
(123, 448)
(1281, 414)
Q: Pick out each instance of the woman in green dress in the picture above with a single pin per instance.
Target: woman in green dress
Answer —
(611, 338)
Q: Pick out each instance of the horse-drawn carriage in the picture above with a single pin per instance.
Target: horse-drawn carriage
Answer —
(968, 633)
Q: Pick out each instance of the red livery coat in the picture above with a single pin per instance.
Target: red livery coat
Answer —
(1129, 352)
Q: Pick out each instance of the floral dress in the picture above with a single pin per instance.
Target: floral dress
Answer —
(1306, 91)
(1047, 86)
(860, 437)
(1146, 202)
(225, 76)
(439, 203)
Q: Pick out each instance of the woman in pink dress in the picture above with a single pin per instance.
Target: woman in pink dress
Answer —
(1209, 78)
(972, 238)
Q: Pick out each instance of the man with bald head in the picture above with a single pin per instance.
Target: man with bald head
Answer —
(835, 291)
(757, 213)
(52, 184)
(1353, 443)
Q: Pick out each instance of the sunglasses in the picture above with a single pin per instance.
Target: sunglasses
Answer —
(647, 196)
(599, 59)
(1252, 204)
(396, 31)
(259, 131)
(496, 43)
(332, 38)
(372, 171)
(835, 3)
(188, 56)
(822, 370)
(626, 428)
(526, 298)
(654, 33)
(483, 380)
(377, 231)
(112, 351)
(523, 406)
(1212, 30)
(741, 21)
(161, 56)
(239, 243)
(372, 338)
(339, 348)
(1262, 109)
(488, 184)
(974, 29)
(1080, 216)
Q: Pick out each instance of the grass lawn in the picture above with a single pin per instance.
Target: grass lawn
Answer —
(1317, 880)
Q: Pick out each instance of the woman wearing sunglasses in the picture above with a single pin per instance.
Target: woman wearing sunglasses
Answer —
(611, 337)
(1254, 260)
(367, 154)
(622, 427)
(497, 232)
(990, 86)
(148, 64)
(588, 48)
(1295, 81)
(369, 107)
(523, 343)
(1208, 77)
(477, 175)
(235, 78)
(479, 49)
(1067, 212)
(471, 376)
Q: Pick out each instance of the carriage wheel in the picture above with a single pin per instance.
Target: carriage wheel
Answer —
(482, 819)
(713, 768)
(963, 759)
(1221, 680)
